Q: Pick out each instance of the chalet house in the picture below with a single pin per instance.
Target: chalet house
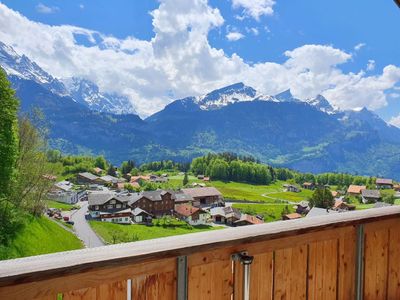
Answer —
(111, 180)
(157, 203)
(396, 187)
(225, 215)
(340, 205)
(182, 198)
(383, 183)
(292, 216)
(158, 179)
(371, 196)
(192, 215)
(204, 195)
(140, 178)
(355, 190)
(120, 217)
(246, 219)
(100, 202)
(87, 178)
(141, 216)
(62, 192)
(302, 207)
(201, 177)
(291, 188)
(308, 185)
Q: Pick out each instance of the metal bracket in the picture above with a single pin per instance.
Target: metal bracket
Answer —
(182, 278)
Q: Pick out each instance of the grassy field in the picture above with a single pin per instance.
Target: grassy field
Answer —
(116, 233)
(269, 212)
(40, 236)
(59, 205)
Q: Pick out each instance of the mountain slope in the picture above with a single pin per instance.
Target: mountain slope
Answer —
(87, 93)
(307, 135)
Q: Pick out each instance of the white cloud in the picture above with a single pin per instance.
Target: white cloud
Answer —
(234, 36)
(43, 9)
(81, 6)
(253, 30)
(179, 61)
(395, 121)
(359, 46)
(371, 65)
(255, 8)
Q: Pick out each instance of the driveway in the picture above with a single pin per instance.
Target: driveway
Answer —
(82, 228)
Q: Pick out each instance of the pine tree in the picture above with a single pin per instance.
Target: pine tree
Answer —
(8, 133)
(185, 179)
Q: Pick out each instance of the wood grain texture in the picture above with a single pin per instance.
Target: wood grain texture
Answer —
(153, 287)
(376, 263)
(290, 273)
(347, 263)
(323, 270)
(394, 262)
(210, 280)
(82, 294)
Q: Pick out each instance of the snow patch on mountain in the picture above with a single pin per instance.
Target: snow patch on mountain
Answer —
(322, 104)
(88, 93)
(231, 94)
(23, 67)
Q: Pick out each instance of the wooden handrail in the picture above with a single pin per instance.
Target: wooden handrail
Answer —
(37, 268)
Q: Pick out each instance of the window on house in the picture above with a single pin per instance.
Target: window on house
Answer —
(110, 206)
(118, 206)
(112, 201)
(96, 207)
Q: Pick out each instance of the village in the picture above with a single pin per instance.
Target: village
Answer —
(121, 200)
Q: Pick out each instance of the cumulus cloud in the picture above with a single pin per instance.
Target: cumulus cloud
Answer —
(255, 8)
(179, 61)
(81, 6)
(234, 36)
(43, 9)
(395, 121)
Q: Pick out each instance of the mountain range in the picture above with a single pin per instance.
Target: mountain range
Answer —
(304, 134)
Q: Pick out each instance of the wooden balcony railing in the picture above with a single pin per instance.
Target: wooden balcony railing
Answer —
(353, 255)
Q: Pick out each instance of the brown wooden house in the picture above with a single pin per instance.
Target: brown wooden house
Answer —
(157, 203)
(204, 195)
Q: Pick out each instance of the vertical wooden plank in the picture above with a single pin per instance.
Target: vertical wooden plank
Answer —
(394, 263)
(261, 277)
(347, 262)
(376, 263)
(82, 294)
(155, 286)
(290, 270)
(212, 279)
(322, 270)
(115, 290)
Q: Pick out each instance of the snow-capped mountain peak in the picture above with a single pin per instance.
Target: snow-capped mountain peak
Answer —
(88, 93)
(22, 67)
(286, 96)
(234, 93)
(322, 104)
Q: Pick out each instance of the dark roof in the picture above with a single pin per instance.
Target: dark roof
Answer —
(384, 181)
(202, 192)
(150, 195)
(88, 175)
(96, 198)
(182, 197)
(371, 194)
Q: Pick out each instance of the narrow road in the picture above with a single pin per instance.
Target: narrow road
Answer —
(83, 229)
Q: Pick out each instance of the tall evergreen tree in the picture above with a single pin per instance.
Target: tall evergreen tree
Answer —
(185, 179)
(8, 133)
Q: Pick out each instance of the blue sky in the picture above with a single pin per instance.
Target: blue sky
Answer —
(365, 30)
